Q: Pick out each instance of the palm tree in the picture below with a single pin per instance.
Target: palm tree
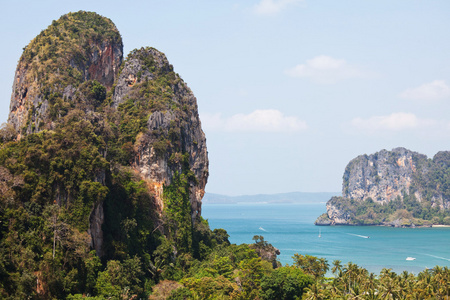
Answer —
(407, 283)
(315, 292)
(350, 273)
(403, 284)
(425, 284)
(441, 281)
(334, 289)
(389, 288)
(337, 268)
(370, 286)
(372, 295)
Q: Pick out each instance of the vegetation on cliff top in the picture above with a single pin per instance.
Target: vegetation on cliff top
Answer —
(401, 212)
(59, 60)
(66, 41)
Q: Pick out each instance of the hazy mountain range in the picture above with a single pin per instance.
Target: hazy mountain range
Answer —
(293, 197)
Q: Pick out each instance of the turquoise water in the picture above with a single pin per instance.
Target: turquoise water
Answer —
(290, 228)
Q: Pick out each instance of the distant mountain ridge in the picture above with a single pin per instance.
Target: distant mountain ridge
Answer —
(292, 197)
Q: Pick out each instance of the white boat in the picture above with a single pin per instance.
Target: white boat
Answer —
(320, 235)
(410, 258)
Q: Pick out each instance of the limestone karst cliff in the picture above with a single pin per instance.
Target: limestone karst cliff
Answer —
(398, 187)
(173, 136)
(381, 176)
(103, 166)
(76, 48)
(110, 135)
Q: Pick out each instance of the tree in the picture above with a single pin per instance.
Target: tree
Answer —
(164, 289)
(59, 228)
(337, 268)
(315, 292)
(285, 283)
(120, 279)
(311, 265)
(265, 250)
(7, 132)
(211, 287)
(389, 287)
(251, 271)
(221, 236)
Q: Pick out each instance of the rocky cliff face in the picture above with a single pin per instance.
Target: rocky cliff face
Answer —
(338, 212)
(381, 176)
(390, 186)
(73, 70)
(56, 62)
(173, 138)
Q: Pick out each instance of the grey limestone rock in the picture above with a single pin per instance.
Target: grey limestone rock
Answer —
(381, 176)
(175, 126)
(386, 176)
(102, 62)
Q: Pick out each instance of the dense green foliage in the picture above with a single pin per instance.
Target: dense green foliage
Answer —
(354, 282)
(53, 180)
(432, 178)
(50, 182)
(402, 211)
(62, 46)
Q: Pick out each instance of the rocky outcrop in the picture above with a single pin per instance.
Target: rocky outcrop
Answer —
(56, 62)
(265, 250)
(323, 220)
(140, 66)
(103, 62)
(338, 213)
(381, 176)
(174, 139)
(96, 220)
(66, 71)
(406, 178)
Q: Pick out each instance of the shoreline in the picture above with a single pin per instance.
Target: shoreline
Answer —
(386, 225)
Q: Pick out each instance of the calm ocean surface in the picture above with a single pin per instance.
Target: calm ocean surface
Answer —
(290, 228)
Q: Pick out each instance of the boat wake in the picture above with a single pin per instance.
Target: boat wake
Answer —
(361, 236)
(438, 257)
(260, 228)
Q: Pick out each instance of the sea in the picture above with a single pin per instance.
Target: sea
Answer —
(290, 228)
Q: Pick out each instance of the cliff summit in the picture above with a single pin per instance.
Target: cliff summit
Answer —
(76, 48)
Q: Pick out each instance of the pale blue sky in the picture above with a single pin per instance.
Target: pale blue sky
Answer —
(289, 91)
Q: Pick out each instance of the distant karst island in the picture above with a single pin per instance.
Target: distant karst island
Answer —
(398, 188)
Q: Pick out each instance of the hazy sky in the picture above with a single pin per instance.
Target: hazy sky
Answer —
(289, 91)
